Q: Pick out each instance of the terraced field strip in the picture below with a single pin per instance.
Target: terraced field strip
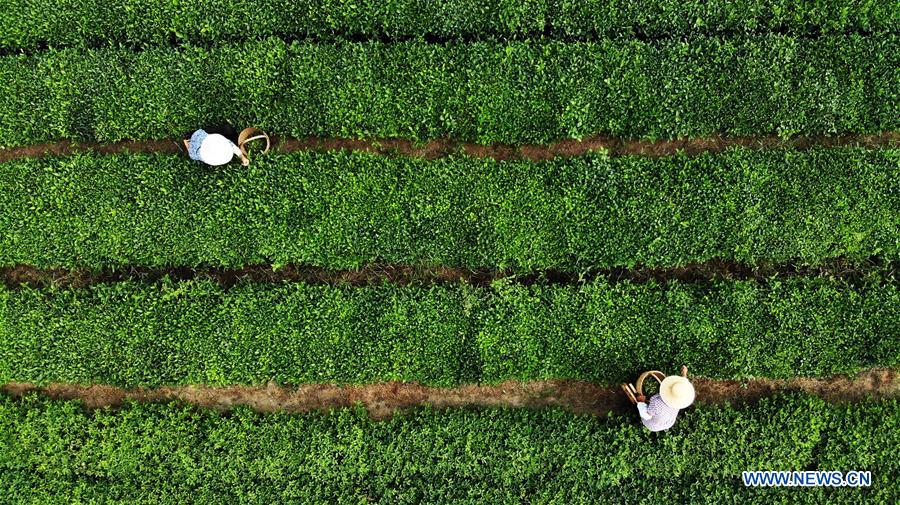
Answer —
(518, 92)
(383, 400)
(39, 23)
(347, 210)
(134, 334)
(53, 450)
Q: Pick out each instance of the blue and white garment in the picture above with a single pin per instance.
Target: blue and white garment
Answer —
(657, 416)
(213, 148)
(194, 144)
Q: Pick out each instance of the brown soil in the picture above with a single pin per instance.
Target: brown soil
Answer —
(445, 147)
(29, 275)
(839, 268)
(383, 400)
(65, 148)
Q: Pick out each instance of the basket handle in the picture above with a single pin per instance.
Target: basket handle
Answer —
(656, 374)
(248, 134)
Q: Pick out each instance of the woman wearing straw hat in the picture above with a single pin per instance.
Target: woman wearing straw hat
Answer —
(675, 393)
(215, 148)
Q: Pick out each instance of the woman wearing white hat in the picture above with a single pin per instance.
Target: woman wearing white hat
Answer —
(675, 393)
(213, 148)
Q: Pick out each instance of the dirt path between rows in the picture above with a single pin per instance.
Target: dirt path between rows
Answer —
(383, 400)
(839, 268)
(446, 147)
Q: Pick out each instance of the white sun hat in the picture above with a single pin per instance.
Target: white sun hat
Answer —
(216, 150)
(676, 391)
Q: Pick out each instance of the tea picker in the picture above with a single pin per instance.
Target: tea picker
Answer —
(218, 149)
(675, 393)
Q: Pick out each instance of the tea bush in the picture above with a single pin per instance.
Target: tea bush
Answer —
(133, 334)
(340, 210)
(56, 451)
(486, 92)
(86, 23)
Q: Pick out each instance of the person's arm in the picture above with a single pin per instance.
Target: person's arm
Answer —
(642, 410)
(237, 151)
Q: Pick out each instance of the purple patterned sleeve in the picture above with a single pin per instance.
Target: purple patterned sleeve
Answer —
(194, 144)
(663, 416)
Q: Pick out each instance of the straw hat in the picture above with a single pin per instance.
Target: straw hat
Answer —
(676, 391)
(216, 150)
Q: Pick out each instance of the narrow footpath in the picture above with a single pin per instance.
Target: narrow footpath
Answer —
(439, 148)
(384, 399)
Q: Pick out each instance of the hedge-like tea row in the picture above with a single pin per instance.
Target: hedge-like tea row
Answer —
(131, 334)
(342, 210)
(54, 451)
(137, 22)
(486, 92)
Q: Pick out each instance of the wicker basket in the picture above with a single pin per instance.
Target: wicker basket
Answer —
(637, 390)
(250, 134)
